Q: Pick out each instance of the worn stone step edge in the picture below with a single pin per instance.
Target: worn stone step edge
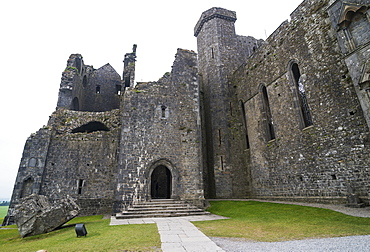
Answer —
(162, 207)
(161, 203)
(131, 216)
(164, 211)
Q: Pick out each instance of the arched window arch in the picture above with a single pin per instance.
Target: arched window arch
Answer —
(75, 104)
(244, 120)
(301, 99)
(91, 127)
(266, 113)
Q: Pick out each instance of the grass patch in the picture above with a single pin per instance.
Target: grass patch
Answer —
(3, 211)
(261, 221)
(100, 237)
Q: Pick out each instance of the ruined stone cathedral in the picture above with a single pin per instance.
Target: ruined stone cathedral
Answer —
(286, 118)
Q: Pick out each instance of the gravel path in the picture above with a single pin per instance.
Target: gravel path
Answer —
(349, 243)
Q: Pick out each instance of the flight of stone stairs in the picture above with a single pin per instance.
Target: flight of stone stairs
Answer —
(160, 208)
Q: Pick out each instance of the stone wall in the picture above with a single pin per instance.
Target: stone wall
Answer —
(161, 127)
(84, 88)
(82, 158)
(221, 52)
(325, 160)
(31, 168)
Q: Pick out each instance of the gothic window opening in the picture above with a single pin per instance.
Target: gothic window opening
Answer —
(161, 183)
(80, 185)
(97, 89)
(305, 113)
(75, 104)
(355, 24)
(91, 127)
(245, 127)
(269, 127)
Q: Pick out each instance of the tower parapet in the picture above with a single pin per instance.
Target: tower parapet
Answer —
(212, 13)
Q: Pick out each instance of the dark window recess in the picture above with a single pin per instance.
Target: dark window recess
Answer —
(118, 89)
(270, 131)
(78, 64)
(127, 81)
(97, 90)
(305, 111)
(75, 104)
(163, 109)
(80, 185)
(213, 54)
(219, 137)
(245, 128)
(91, 127)
(84, 81)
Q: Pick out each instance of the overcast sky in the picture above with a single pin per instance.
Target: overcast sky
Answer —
(37, 38)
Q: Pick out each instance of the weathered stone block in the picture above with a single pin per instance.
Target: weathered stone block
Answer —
(36, 214)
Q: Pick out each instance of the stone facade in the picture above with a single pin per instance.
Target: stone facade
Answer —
(286, 118)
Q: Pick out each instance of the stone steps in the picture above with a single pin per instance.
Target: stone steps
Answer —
(160, 208)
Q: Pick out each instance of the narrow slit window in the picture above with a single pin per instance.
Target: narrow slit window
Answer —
(245, 127)
(97, 90)
(163, 111)
(219, 137)
(222, 163)
(212, 53)
(269, 127)
(80, 185)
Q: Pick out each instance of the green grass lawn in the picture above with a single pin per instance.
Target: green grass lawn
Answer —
(3, 211)
(261, 221)
(100, 237)
(257, 221)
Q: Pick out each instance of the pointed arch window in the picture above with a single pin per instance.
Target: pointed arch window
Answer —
(267, 117)
(304, 110)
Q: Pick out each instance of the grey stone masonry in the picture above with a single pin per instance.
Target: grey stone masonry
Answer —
(161, 127)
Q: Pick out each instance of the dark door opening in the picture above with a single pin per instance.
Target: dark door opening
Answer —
(161, 183)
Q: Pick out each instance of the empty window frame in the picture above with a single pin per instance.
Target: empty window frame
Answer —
(80, 185)
(118, 89)
(266, 113)
(244, 121)
(163, 111)
(304, 110)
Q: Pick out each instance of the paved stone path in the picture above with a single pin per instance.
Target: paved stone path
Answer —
(177, 233)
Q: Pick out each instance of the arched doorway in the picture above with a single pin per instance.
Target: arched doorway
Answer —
(161, 183)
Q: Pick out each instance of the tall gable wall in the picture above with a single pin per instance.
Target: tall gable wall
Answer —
(320, 162)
